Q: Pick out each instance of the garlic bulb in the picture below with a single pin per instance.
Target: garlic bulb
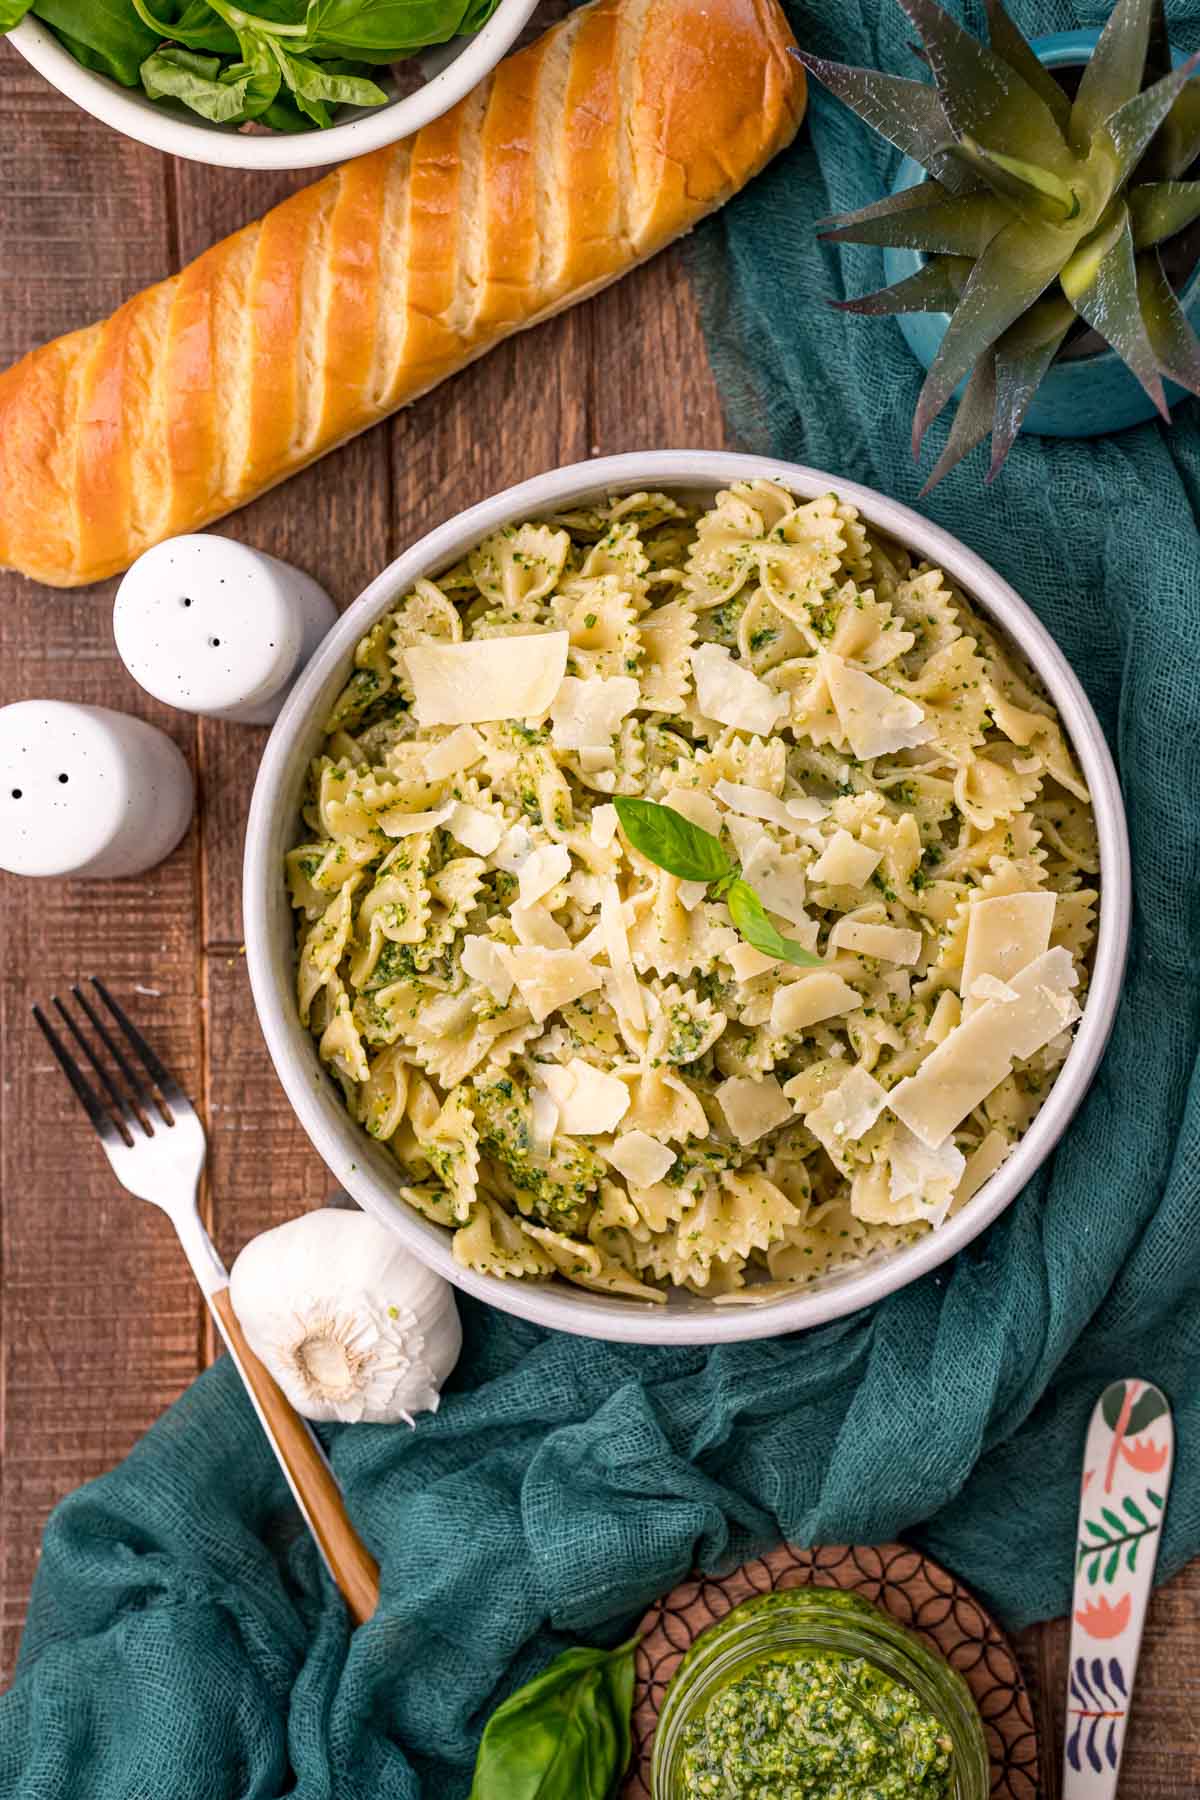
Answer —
(347, 1320)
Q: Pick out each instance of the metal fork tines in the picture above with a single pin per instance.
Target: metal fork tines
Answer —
(130, 1113)
(150, 1131)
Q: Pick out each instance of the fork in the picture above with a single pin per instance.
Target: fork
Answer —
(155, 1142)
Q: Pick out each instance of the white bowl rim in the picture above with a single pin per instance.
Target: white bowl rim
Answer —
(340, 1140)
(130, 112)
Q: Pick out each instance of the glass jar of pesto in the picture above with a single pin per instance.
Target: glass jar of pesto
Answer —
(810, 1692)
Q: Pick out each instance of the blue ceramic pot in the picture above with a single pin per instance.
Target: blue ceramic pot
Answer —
(1084, 397)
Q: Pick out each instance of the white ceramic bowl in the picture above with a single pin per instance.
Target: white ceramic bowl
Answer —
(450, 70)
(366, 1169)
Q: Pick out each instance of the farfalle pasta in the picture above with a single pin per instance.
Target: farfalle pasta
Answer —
(580, 1067)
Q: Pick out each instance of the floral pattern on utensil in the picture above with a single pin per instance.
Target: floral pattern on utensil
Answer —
(1123, 1494)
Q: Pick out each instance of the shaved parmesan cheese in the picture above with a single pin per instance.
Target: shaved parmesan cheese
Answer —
(454, 753)
(588, 1100)
(982, 1165)
(733, 695)
(626, 992)
(587, 713)
(486, 678)
(988, 987)
(1003, 936)
(480, 831)
(889, 943)
(845, 862)
(747, 962)
(399, 824)
(875, 720)
(975, 1058)
(534, 925)
(485, 961)
(778, 879)
(814, 997)
(846, 1112)
(543, 870)
(755, 803)
(695, 805)
(752, 1108)
(807, 808)
(549, 979)
(946, 1015)
(922, 1181)
(747, 834)
(543, 1121)
(513, 850)
(604, 826)
(691, 893)
(641, 1159)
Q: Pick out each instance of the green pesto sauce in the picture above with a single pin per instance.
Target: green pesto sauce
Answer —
(815, 1727)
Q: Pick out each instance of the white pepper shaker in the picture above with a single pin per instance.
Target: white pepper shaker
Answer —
(87, 791)
(210, 626)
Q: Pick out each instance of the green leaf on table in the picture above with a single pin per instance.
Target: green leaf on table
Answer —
(672, 842)
(750, 916)
(565, 1735)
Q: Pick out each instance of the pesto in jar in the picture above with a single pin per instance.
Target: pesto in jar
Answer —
(797, 1726)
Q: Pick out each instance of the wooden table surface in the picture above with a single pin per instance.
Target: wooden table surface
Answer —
(101, 1326)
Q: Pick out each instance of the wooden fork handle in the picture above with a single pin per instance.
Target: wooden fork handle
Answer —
(312, 1481)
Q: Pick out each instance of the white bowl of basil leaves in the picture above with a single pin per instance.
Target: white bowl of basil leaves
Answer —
(327, 79)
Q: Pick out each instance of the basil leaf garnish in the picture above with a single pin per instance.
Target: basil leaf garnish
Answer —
(666, 838)
(750, 916)
(673, 843)
(565, 1735)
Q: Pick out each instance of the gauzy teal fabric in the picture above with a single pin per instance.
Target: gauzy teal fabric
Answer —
(182, 1639)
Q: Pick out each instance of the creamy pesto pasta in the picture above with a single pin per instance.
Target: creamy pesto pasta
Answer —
(578, 1064)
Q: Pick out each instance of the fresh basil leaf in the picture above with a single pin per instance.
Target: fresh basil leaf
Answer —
(176, 74)
(672, 842)
(319, 82)
(356, 25)
(750, 916)
(12, 12)
(563, 1736)
(477, 15)
(194, 25)
(116, 41)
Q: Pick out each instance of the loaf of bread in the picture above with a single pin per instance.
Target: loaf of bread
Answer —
(579, 157)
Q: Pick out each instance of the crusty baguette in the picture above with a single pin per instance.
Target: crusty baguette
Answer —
(578, 158)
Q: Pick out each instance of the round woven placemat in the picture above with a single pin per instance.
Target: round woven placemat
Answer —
(917, 1592)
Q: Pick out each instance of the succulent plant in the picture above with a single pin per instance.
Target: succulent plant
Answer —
(1043, 215)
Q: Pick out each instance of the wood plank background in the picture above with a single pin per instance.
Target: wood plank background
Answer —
(100, 1325)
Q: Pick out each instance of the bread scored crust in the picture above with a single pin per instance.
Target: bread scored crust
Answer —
(578, 158)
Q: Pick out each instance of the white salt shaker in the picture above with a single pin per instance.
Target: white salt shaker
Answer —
(210, 626)
(87, 791)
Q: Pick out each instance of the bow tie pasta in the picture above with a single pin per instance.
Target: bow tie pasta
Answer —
(578, 1064)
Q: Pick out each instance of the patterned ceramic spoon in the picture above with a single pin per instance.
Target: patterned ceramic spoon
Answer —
(1126, 1475)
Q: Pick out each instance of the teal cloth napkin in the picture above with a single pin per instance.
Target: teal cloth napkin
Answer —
(182, 1639)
